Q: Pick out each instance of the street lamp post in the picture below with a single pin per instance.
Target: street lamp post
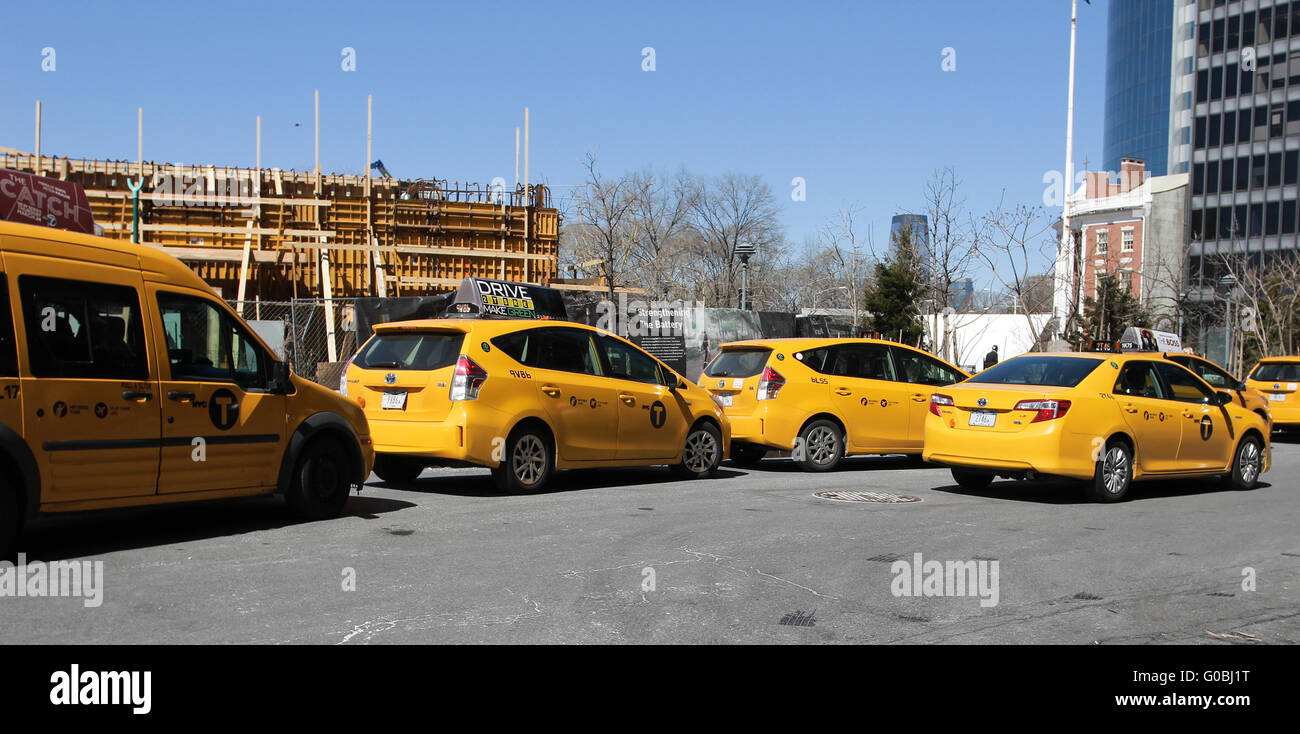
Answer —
(744, 251)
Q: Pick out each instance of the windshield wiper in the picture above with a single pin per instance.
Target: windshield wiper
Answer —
(389, 365)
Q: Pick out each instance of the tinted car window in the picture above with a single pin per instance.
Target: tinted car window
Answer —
(1182, 384)
(427, 350)
(1138, 380)
(628, 363)
(83, 329)
(923, 369)
(520, 346)
(567, 350)
(863, 361)
(817, 359)
(738, 363)
(1212, 374)
(1039, 370)
(1277, 372)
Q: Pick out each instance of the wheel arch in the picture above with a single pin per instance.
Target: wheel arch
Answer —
(16, 459)
(317, 425)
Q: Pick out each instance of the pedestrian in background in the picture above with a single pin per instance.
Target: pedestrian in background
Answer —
(991, 358)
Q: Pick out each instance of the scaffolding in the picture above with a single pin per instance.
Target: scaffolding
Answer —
(274, 234)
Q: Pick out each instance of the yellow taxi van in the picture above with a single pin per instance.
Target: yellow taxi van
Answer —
(124, 380)
(825, 398)
(1108, 419)
(1277, 379)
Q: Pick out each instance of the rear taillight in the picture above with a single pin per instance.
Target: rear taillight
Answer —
(343, 378)
(769, 384)
(1044, 410)
(936, 400)
(469, 379)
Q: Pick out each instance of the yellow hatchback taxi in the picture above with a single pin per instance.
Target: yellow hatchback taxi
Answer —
(824, 399)
(1277, 378)
(124, 380)
(1108, 419)
(525, 398)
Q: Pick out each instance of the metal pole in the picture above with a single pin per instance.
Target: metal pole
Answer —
(38, 138)
(1066, 256)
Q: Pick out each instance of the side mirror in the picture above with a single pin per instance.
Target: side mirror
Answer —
(281, 383)
(1241, 385)
(1222, 397)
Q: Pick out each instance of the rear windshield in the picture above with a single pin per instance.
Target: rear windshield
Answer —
(738, 363)
(410, 351)
(1045, 371)
(1277, 372)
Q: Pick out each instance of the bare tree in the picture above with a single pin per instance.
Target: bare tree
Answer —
(726, 211)
(662, 214)
(1016, 245)
(847, 266)
(608, 228)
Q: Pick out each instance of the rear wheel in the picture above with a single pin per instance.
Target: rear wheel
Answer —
(11, 521)
(1114, 474)
(321, 482)
(972, 479)
(747, 454)
(528, 464)
(701, 454)
(821, 446)
(398, 469)
(1247, 464)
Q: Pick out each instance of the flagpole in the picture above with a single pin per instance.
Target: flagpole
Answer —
(1066, 257)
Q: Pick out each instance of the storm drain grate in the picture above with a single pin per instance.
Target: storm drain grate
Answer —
(883, 497)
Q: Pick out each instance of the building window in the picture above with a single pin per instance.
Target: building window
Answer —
(1126, 240)
(1103, 241)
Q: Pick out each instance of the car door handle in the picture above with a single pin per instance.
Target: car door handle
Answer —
(843, 391)
(918, 397)
(1131, 408)
(627, 398)
(180, 396)
(551, 390)
(136, 394)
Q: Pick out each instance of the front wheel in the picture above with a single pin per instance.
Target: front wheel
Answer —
(972, 479)
(1247, 464)
(820, 446)
(1114, 474)
(528, 464)
(701, 454)
(321, 481)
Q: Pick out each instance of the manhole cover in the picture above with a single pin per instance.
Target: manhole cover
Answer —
(886, 497)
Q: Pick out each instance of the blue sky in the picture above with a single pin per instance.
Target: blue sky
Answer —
(849, 96)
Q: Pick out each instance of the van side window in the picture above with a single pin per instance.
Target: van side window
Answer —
(521, 346)
(567, 350)
(205, 343)
(1138, 380)
(8, 349)
(922, 369)
(83, 329)
(864, 361)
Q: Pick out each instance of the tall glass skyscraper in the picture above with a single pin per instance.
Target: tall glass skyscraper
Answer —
(1139, 64)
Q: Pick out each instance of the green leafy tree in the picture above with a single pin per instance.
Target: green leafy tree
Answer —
(891, 298)
(1107, 314)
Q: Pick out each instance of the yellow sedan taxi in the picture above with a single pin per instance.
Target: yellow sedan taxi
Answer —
(1108, 419)
(823, 399)
(1218, 378)
(1278, 378)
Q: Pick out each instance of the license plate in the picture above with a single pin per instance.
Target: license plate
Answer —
(983, 418)
(724, 399)
(1277, 397)
(393, 401)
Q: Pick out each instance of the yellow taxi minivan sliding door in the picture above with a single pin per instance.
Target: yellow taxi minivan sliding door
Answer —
(222, 426)
(11, 404)
(90, 408)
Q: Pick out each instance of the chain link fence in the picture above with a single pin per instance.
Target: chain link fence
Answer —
(300, 331)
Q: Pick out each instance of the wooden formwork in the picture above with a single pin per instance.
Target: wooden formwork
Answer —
(275, 234)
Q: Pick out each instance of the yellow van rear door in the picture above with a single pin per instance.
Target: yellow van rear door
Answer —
(91, 410)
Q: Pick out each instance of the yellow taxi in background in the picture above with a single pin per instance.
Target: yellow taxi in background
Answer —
(1220, 379)
(824, 399)
(525, 398)
(1109, 419)
(1277, 378)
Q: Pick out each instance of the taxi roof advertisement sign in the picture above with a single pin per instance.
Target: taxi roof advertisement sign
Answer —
(1150, 340)
(44, 202)
(507, 299)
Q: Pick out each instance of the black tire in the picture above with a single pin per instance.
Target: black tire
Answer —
(1114, 474)
(822, 445)
(972, 479)
(398, 469)
(11, 522)
(916, 460)
(701, 454)
(747, 454)
(1247, 463)
(321, 482)
(528, 464)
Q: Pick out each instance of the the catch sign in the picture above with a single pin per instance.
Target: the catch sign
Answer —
(506, 299)
(45, 202)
